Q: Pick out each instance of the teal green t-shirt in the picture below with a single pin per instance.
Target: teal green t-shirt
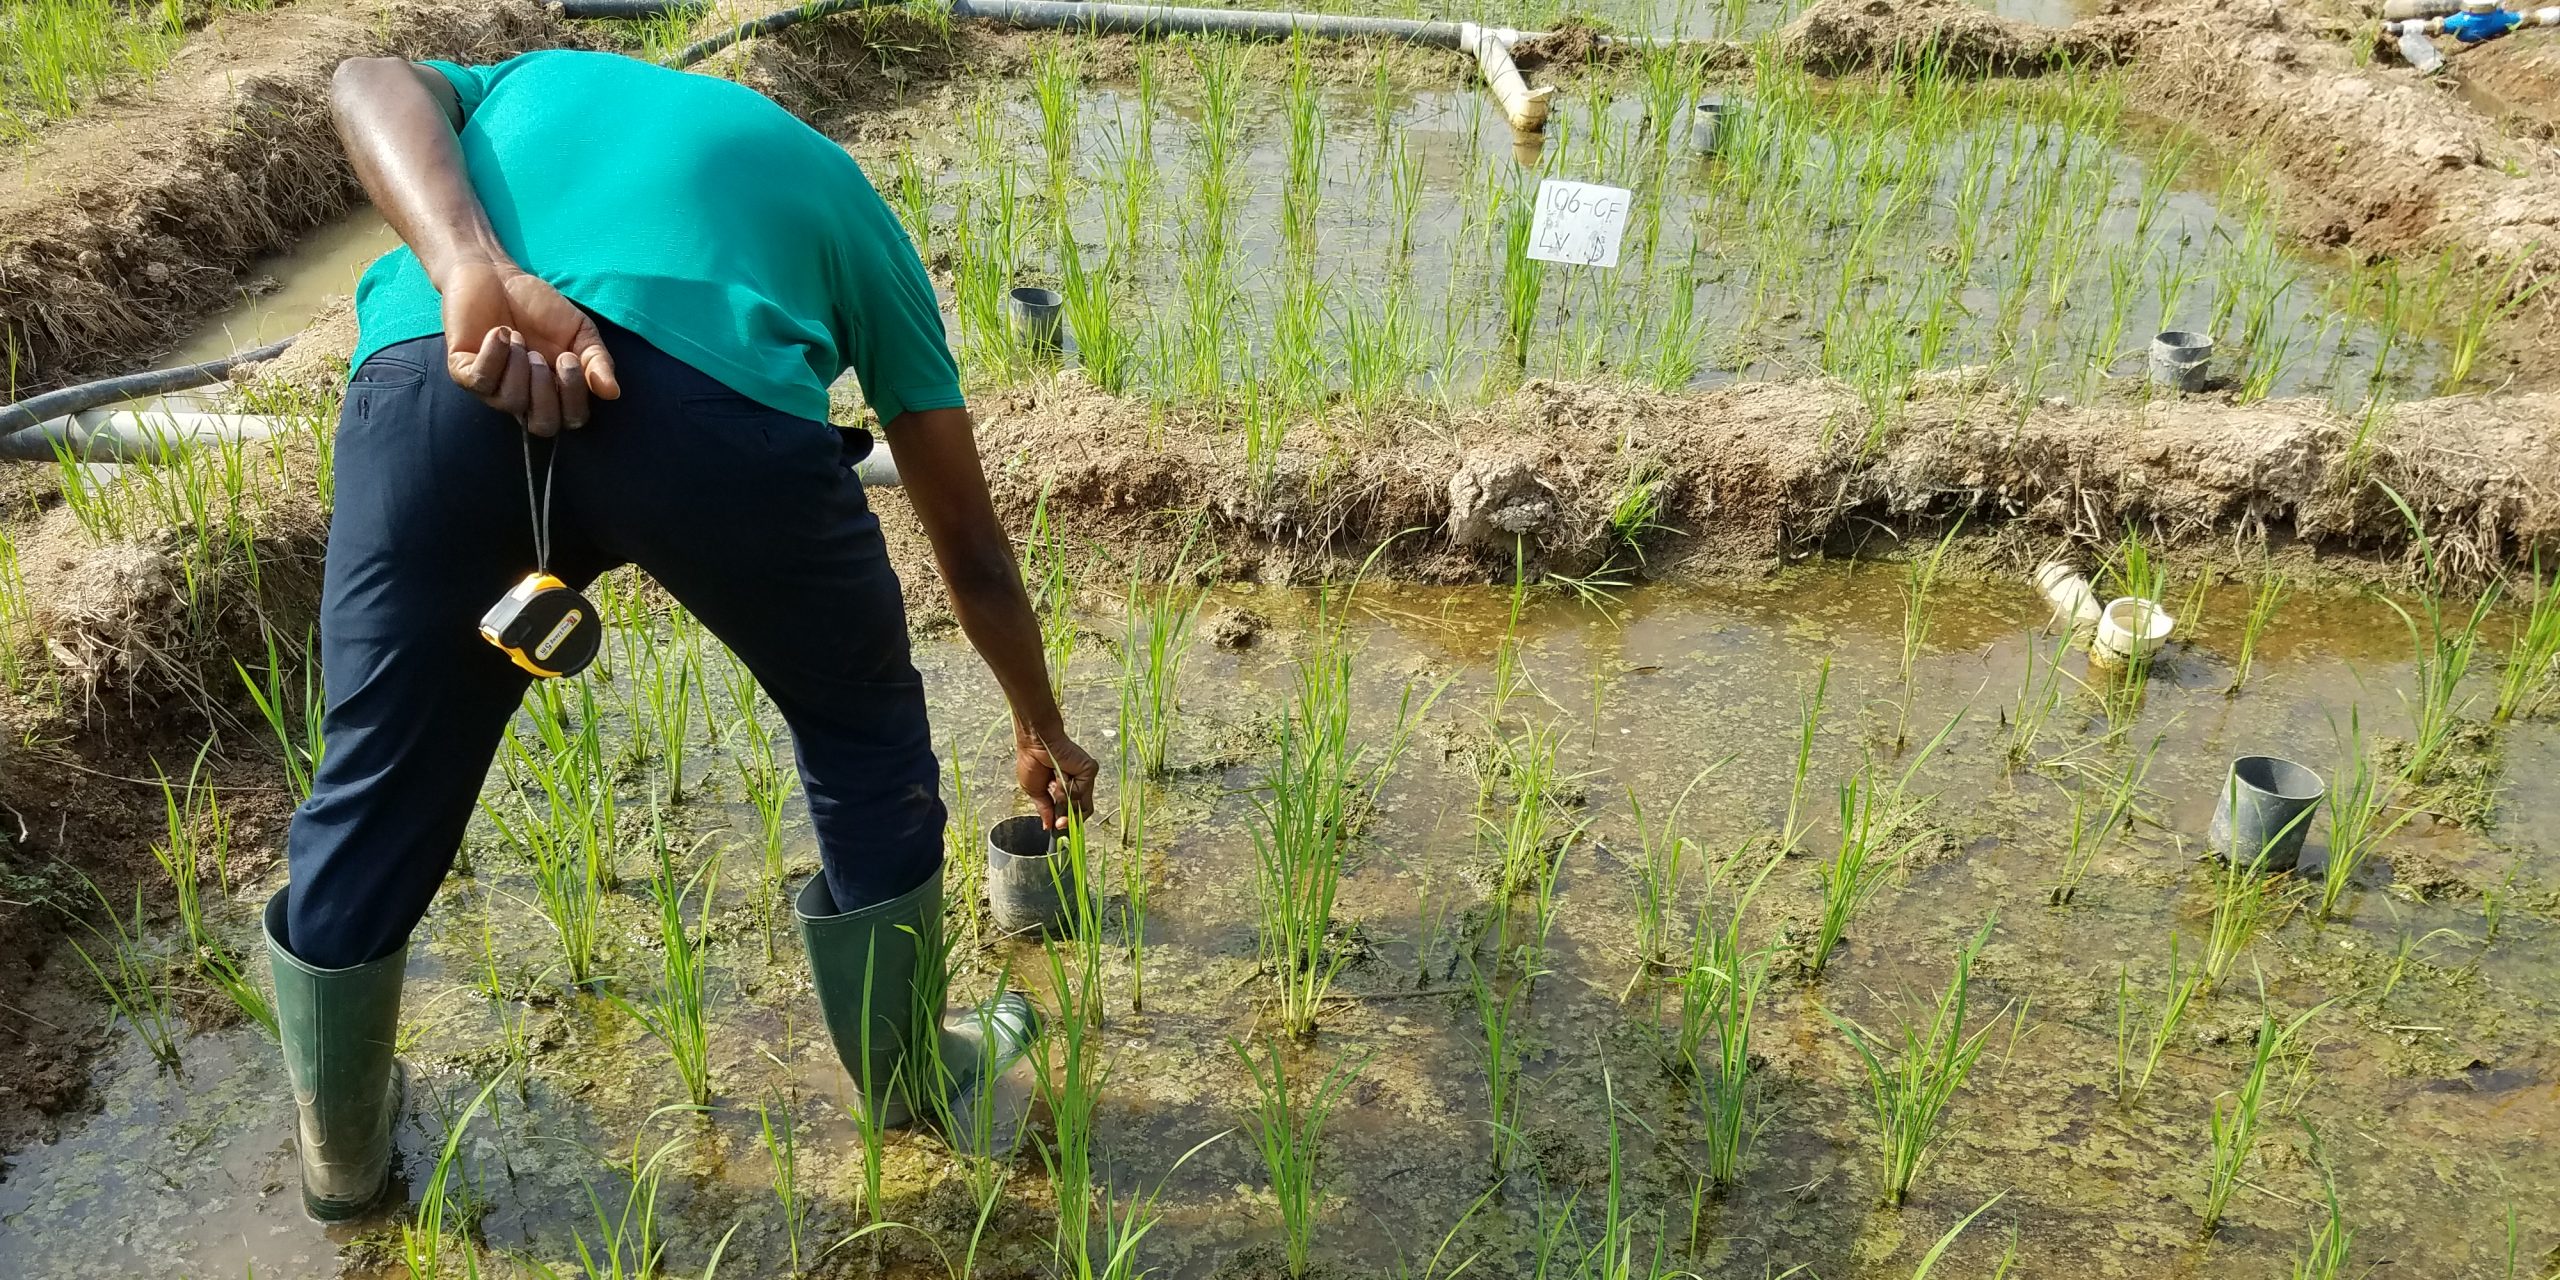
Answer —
(697, 214)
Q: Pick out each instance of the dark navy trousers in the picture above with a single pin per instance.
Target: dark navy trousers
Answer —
(750, 517)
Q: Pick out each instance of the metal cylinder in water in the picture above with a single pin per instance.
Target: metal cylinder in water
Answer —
(1029, 886)
(2266, 808)
(2179, 359)
(1038, 316)
(1708, 121)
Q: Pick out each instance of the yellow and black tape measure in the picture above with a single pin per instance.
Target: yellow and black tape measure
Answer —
(541, 624)
(544, 627)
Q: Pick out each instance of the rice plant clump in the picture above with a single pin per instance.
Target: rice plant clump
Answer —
(1911, 1095)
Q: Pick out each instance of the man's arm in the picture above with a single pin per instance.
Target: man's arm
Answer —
(937, 452)
(510, 338)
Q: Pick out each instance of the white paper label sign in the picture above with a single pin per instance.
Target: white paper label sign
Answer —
(1579, 222)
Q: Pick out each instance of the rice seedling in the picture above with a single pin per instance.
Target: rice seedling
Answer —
(2262, 610)
(1052, 590)
(1054, 89)
(1910, 1098)
(132, 977)
(1128, 1220)
(1318, 780)
(2233, 1123)
(1104, 348)
(423, 1238)
(1302, 192)
(2443, 649)
(295, 720)
(2039, 693)
(1660, 872)
(2525, 678)
(782, 1146)
(2183, 987)
(1288, 1130)
(1404, 194)
(2086, 842)
(2246, 897)
(674, 672)
(1808, 723)
(676, 1013)
(1523, 279)
(627, 1245)
(1929, 1260)
(1496, 1005)
(2361, 816)
(1720, 998)
(1072, 1089)
(2332, 1240)
(2489, 305)
(1879, 827)
(568, 838)
(1919, 578)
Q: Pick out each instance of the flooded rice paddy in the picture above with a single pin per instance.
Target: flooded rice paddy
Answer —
(2428, 1068)
(1289, 229)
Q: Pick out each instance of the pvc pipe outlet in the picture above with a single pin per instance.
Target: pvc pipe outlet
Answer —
(2265, 809)
(1029, 887)
(1037, 316)
(2180, 358)
(1708, 121)
(2074, 604)
(2128, 628)
(1525, 107)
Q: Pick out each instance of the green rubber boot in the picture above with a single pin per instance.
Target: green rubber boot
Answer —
(338, 1027)
(880, 984)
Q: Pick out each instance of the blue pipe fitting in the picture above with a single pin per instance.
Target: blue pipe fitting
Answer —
(2473, 26)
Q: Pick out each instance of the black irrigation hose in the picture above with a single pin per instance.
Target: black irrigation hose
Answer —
(767, 25)
(637, 9)
(36, 410)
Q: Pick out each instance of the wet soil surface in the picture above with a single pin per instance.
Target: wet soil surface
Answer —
(2431, 1073)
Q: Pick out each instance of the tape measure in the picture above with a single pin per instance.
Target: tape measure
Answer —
(542, 624)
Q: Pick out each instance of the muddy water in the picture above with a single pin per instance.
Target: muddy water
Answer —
(288, 290)
(2433, 1079)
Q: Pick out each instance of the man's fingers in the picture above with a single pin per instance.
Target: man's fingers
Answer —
(479, 372)
(542, 399)
(595, 361)
(573, 390)
(514, 390)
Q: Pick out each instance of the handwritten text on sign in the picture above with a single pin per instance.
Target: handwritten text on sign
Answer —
(1578, 222)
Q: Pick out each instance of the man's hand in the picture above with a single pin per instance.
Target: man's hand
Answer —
(1057, 774)
(513, 341)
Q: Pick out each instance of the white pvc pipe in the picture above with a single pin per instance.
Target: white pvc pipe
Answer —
(2074, 604)
(1525, 107)
(101, 436)
(2130, 627)
(127, 435)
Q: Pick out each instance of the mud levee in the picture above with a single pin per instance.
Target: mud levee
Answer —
(131, 221)
(1750, 474)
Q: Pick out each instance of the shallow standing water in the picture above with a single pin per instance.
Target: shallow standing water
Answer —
(2433, 1080)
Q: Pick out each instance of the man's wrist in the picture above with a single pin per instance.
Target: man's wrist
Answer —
(1041, 732)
